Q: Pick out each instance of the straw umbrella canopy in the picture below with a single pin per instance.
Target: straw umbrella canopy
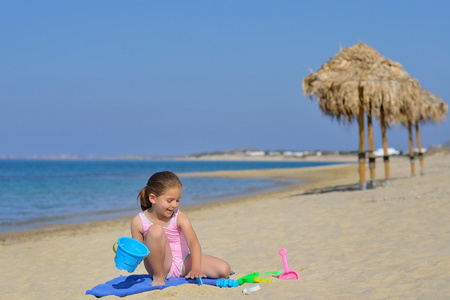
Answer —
(435, 109)
(357, 80)
(431, 108)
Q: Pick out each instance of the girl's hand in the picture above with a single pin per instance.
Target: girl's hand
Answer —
(195, 274)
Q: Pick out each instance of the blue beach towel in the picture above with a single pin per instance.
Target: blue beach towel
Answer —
(133, 284)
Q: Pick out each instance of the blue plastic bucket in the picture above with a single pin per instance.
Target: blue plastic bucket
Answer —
(129, 253)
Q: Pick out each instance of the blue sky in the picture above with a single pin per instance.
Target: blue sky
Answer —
(110, 78)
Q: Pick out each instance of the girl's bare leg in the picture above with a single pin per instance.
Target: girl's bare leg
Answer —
(212, 267)
(159, 260)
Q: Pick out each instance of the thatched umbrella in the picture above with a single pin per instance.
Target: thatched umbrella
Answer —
(357, 80)
(430, 108)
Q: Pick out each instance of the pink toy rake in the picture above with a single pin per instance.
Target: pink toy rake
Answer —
(287, 274)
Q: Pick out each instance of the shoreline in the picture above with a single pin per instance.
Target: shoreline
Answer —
(14, 236)
(312, 179)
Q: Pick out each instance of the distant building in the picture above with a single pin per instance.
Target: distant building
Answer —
(255, 153)
(391, 151)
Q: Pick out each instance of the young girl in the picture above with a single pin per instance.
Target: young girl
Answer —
(168, 234)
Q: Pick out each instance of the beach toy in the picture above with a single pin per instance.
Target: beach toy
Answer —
(251, 288)
(249, 278)
(227, 283)
(287, 274)
(271, 273)
(253, 277)
(199, 281)
(129, 253)
(258, 279)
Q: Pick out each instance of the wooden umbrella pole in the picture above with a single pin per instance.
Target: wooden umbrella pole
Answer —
(411, 149)
(371, 150)
(419, 146)
(362, 153)
(385, 147)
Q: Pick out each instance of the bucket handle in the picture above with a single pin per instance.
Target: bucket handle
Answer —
(113, 248)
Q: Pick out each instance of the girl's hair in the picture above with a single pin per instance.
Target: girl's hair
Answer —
(157, 184)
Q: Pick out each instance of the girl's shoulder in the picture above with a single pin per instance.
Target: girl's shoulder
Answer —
(138, 216)
(142, 220)
(178, 213)
(182, 219)
(136, 220)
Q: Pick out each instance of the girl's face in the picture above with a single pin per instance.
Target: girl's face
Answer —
(166, 203)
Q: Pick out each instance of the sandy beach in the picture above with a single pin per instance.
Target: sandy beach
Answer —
(392, 242)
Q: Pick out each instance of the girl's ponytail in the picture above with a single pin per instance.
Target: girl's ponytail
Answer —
(144, 199)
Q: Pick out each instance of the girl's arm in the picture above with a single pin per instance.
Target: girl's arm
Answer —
(194, 246)
(136, 229)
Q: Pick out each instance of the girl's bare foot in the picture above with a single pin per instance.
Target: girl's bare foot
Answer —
(158, 281)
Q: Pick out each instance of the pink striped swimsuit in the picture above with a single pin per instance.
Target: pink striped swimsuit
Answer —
(177, 243)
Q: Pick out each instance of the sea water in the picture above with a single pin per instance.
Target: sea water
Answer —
(43, 192)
